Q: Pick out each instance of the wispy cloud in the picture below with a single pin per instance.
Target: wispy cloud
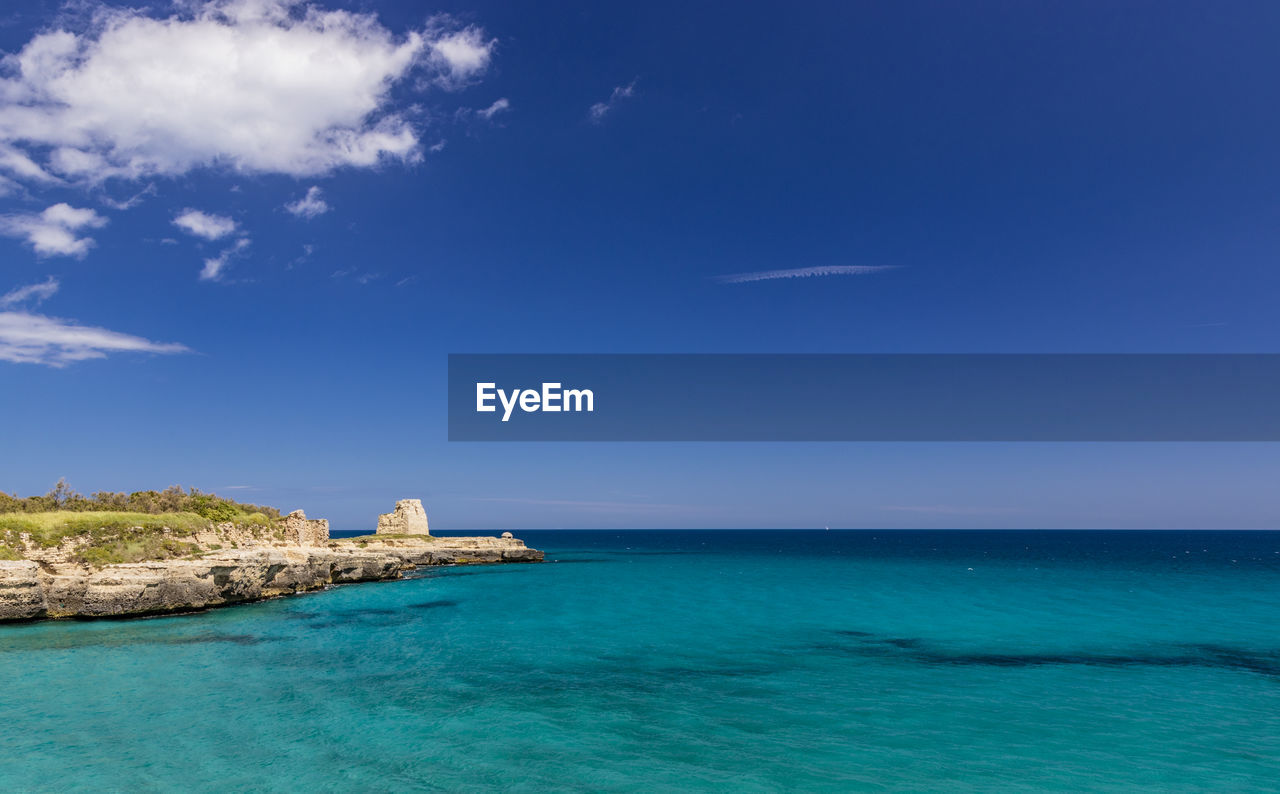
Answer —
(55, 231)
(307, 250)
(214, 266)
(599, 110)
(804, 272)
(497, 107)
(355, 275)
(35, 293)
(21, 166)
(28, 338)
(132, 201)
(310, 206)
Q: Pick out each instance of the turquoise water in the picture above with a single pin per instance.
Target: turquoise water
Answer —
(669, 661)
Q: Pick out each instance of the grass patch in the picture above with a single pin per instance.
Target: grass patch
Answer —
(136, 547)
(50, 529)
(113, 537)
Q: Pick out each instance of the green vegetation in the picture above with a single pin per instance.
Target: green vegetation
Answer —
(173, 499)
(50, 529)
(117, 527)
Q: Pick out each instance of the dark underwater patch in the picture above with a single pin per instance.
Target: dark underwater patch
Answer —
(902, 642)
(433, 604)
(342, 617)
(1220, 657)
(234, 639)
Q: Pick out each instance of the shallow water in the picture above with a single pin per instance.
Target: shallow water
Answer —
(725, 661)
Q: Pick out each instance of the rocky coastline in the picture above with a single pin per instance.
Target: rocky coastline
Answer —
(233, 566)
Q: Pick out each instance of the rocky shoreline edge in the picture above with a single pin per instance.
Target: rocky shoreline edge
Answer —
(32, 590)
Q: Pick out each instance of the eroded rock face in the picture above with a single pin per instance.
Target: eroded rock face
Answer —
(409, 518)
(21, 597)
(29, 590)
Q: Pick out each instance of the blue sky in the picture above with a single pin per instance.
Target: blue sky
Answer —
(256, 229)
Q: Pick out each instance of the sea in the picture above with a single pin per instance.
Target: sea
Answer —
(688, 661)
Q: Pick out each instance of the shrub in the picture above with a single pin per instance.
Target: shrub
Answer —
(173, 499)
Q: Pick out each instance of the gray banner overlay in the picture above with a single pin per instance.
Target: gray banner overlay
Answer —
(804, 397)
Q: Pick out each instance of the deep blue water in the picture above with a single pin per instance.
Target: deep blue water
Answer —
(689, 661)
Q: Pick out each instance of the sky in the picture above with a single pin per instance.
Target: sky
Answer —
(238, 239)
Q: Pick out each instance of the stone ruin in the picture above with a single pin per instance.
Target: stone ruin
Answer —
(305, 531)
(409, 518)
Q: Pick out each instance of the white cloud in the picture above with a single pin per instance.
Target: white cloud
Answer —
(459, 56)
(804, 272)
(27, 338)
(32, 292)
(599, 110)
(310, 205)
(497, 107)
(259, 86)
(214, 266)
(54, 231)
(203, 224)
(438, 146)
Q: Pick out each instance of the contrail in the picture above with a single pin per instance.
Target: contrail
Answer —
(804, 272)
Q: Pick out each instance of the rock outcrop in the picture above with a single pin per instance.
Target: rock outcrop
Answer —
(31, 591)
(304, 531)
(409, 518)
(415, 551)
(231, 564)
